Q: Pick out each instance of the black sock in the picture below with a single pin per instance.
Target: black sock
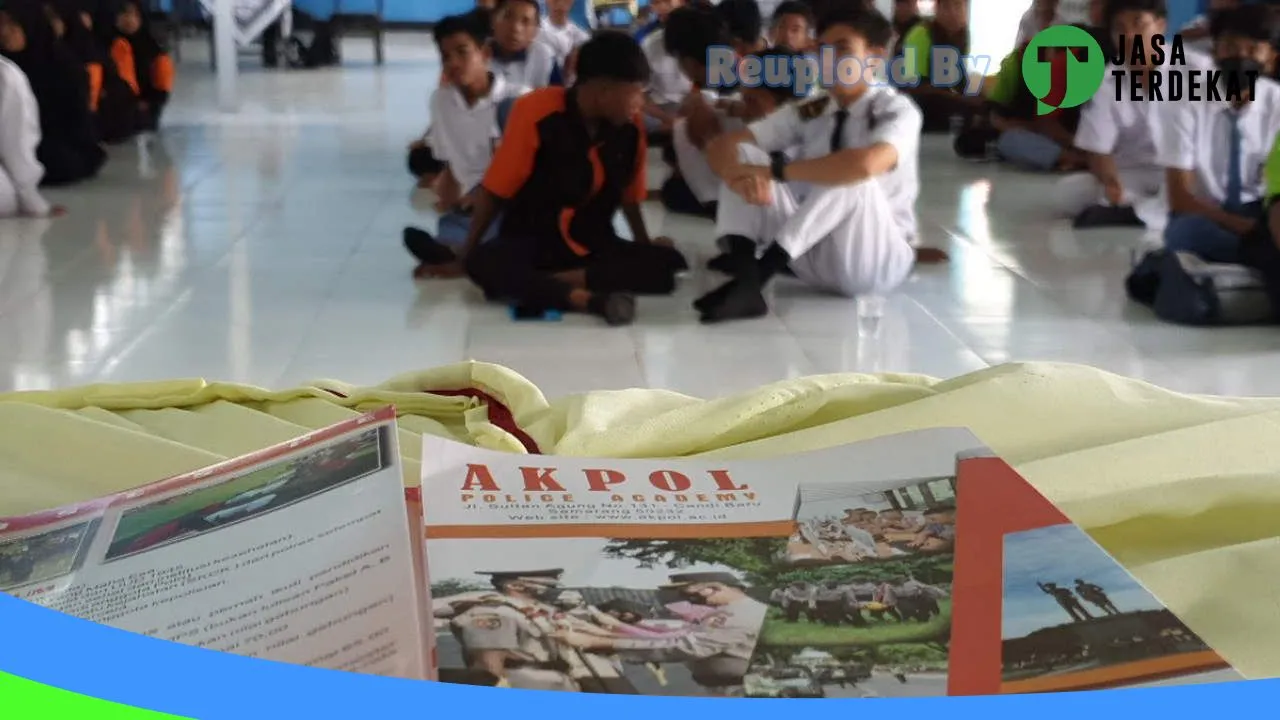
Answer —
(774, 261)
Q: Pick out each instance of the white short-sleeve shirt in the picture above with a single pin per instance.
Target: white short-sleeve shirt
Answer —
(667, 85)
(533, 69)
(562, 39)
(465, 136)
(1127, 129)
(1196, 136)
(882, 115)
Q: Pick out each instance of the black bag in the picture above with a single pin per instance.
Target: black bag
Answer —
(1181, 288)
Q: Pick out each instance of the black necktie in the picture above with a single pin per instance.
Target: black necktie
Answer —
(837, 135)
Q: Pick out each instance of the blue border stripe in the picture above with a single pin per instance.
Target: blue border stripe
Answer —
(98, 661)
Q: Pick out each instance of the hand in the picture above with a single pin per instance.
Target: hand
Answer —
(577, 639)
(1241, 225)
(447, 271)
(418, 144)
(1114, 193)
(571, 64)
(663, 241)
(448, 192)
(753, 190)
(468, 201)
(741, 171)
(53, 212)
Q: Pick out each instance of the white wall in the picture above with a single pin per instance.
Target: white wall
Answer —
(993, 27)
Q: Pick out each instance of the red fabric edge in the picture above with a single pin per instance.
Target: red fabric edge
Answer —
(499, 414)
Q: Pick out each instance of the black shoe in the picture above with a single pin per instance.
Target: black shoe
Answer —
(1096, 216)
(617, 309)
(740, 299)
(426, 248)
(729, 263)
(712, 298)
(737, 254)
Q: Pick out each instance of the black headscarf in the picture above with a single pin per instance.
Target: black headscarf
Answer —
(58, 79)
(146, 47)
(78, 38)
(53, 71)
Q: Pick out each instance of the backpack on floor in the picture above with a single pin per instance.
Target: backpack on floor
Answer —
(1181, 288)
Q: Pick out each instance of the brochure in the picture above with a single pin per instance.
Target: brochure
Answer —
(906, 566)
(877, 569)
(1041, 607)
(299, 553)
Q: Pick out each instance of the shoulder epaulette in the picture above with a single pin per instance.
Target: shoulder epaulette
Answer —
(811, 109)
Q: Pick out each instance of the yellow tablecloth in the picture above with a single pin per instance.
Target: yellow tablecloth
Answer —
(1182, 489)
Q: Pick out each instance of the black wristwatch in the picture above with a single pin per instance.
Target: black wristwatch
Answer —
(778, 167)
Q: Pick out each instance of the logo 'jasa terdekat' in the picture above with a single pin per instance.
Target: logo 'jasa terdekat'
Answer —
(1064, 67)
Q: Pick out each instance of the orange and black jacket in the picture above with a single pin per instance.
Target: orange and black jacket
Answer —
(560, 183)
(144, 65)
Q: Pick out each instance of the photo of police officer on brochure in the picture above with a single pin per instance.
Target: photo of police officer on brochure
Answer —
(606, 624)
(684, 617)
(839, 523)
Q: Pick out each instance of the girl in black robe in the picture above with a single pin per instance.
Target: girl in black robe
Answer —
(68, 148)
(142, 61)
(111, 100)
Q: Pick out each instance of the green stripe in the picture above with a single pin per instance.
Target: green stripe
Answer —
(28, 700)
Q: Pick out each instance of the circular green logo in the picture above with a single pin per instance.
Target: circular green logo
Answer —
(1086, 67)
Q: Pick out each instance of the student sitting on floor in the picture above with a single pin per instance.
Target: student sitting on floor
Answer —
(745, 24)
(792, 26)
(1026, 138)
(689, 33)
(1213, 152)
(20, 172)
(949, 27)
(570, 159)
(906, 15)
(668, 86)
(1125, 184)
(69, 149)
(843, 217)
(143, 63)
(467, 116)
(516, 57)
(111, 100)
(694, 170)
(1260, 248)
(422, 161)
(559, 32)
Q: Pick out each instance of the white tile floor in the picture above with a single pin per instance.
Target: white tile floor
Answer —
(264, 247)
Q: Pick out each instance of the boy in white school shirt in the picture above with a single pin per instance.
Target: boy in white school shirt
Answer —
(20, 171)
(1124, 184)
(842, 217)
(559, 32)
(1214, 153)
(688, 35)
(466, 126)
(517, 57)
(668, 86)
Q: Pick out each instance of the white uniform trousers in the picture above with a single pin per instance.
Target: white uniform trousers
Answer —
(843, 239)
(692, 162)
(1143, 188)
(9, 205)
